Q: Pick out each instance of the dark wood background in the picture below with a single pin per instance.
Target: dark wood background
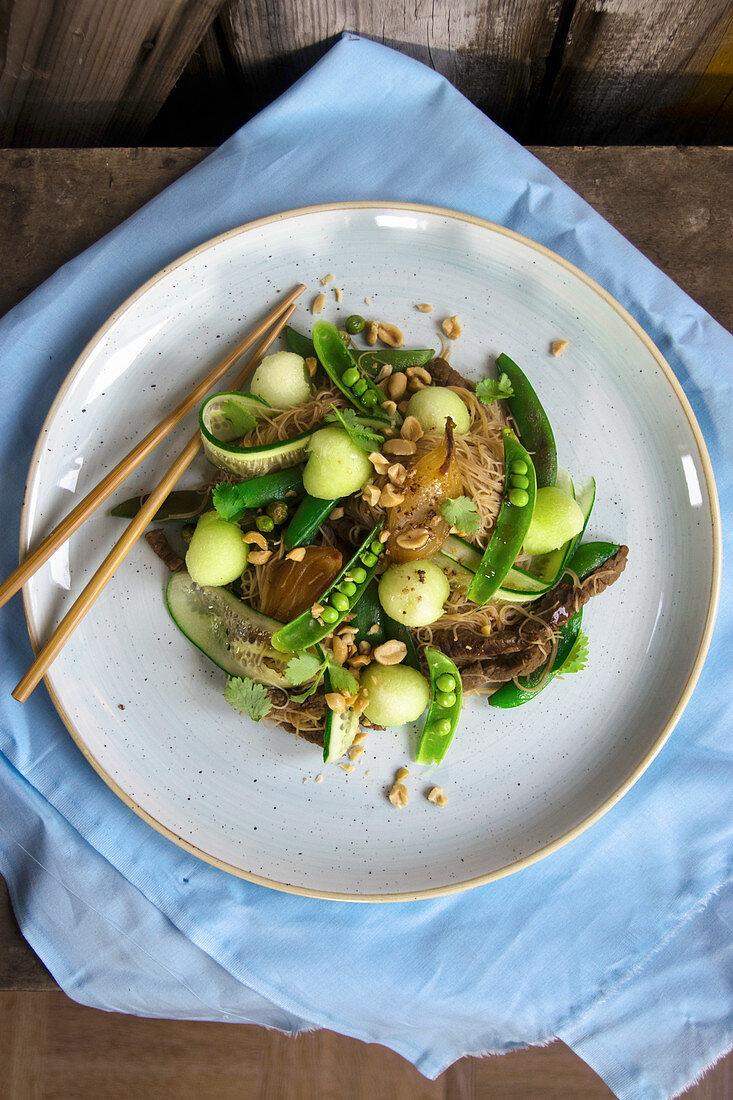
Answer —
(188, 72)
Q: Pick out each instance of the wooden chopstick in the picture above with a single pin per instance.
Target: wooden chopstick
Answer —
(106, 570)
(115, 477)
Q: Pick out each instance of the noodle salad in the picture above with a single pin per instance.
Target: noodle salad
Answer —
(381, 537)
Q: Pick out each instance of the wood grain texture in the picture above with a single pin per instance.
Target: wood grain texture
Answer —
(54, 1049)
(643, 71)
(81, 72)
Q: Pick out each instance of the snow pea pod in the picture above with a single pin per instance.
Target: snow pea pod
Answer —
(342, 368)
(399, 359)
(309, 515)
(532, 421)
(444, 712)
(300, 344)
(590, 556)
(180, 505)
(233, 501)
(512, 524)
(338, 601)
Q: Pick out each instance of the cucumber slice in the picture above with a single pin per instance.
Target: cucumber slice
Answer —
(227, 630)
(221, 420)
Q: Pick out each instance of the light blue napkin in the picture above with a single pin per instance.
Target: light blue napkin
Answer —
(619, 942)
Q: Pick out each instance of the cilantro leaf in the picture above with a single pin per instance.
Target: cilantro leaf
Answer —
(462, 513)
(248, 697)
(303, 667)
(489, 390)
(360, 434)
(577, 658)
(226, 499)
(341, 679)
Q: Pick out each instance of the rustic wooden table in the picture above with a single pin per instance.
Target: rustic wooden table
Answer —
(675, 205)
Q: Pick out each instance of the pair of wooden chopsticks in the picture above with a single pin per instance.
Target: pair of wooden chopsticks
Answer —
(279, 318)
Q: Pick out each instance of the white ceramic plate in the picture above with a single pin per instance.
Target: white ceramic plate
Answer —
(147, 708)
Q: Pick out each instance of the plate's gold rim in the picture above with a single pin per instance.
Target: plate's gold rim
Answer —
(571, 834)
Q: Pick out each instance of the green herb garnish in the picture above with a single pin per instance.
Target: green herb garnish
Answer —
(248, 697)
(360, 433)
(489, 390)
(462, 513)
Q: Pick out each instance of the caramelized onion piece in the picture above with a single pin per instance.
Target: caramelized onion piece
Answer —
(287, 587)
(434, 478)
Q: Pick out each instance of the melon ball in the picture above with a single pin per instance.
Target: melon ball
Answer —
(413, 592)
(432, 405)
(556, 518)
(216, 554)
(396, 694)
(336, 467)
(282, 380)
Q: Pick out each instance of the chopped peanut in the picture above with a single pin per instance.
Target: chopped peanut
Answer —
(412, 429)
(340, 649)
(259, 557)
(379, 462)
(397, 475)
(311, 366)
(420, 372)
(316, 610)
(355, 752)
(389, 498)
(296, 555)
(373, 629)
(255, 537)
(336, 702)
(399, 447)
(318, 303)
(348, 768)
(389, 407)
(391, 335)
(397, 386)
(451, 327)
(424, 307)
(398, 796)
(403, 773)
(371, 332)
(390, 653)
(413, 540)
(339, 293)
(438, 797)
(328, 279)
(371, 494)
(558, 347)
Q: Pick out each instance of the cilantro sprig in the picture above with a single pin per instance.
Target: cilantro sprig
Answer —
(248, 697)
(577, 658)
(489, 390)
(360, 433)
(305, 666)
(462, 513)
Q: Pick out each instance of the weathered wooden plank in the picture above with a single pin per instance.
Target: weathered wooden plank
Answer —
(643, 71)
(80, 72)
(494, 52)
(20, 968)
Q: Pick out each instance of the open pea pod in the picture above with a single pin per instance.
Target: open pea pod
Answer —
(532, 421)
(444, 712)
(339, 599)
(343, 369)
(306, 523)
(512, 523)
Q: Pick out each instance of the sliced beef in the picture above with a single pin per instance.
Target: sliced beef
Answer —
(443, 374)
(519, 649)
(159, 543)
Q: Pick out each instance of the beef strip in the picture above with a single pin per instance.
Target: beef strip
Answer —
(443, 374)
(519, 649)
(158, 542)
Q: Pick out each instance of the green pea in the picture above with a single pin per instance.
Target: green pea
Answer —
(445, 682)
(446, 699)
(278, 511)
(519, 481)
(348, 588)
(376, 547)
(358, 575)
(518, 466)
(330, 615)
(369, 559)
(354, 324)
(369, 398)
(265, 524)
(350, 376)
(339, 601)
(518, 497)
(359, 387)
(443, 726)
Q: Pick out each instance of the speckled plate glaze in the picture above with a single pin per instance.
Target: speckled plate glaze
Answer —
(147, 709)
